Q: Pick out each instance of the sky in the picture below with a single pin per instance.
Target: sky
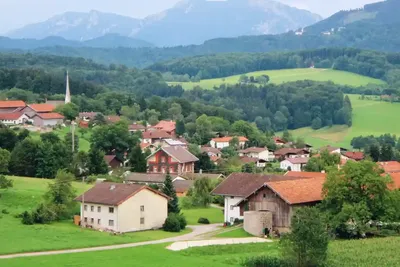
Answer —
(17, 13)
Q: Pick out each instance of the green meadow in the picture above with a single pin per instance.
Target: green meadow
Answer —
(290, 75)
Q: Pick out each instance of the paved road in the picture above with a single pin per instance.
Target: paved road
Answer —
(198, 230)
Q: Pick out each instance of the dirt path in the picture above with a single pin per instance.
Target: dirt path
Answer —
(198, 230)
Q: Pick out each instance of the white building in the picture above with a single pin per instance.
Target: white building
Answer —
(223, 142)
(258, 153)
(47, 119)
(123, 207)
(294, 164)
(14, 118)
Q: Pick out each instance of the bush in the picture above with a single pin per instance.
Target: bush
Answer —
(4, 211)
(27, 218)
(172, 224)
(186, 203)
(203, 221)
(182, 221)
(265, 261)
(43, 214)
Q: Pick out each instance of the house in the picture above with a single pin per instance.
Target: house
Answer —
(258, 153)
(390, 166)
(357, 156)
(113, 118)
(223, 142)
(153, 137)
(279, 141)
(259, 163)
(167, 126)
(148, 178)
(13, 118)
(10, 106)
(33, 109)
(113, 162)
(47, 119)
(288, 152)
(175, 160)
(173, 142)
(332, 149)
(294, 164)
(182, 187)
(137, 128)
(123, 207)
(211, 151)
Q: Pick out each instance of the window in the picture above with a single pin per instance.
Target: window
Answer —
(154, 169)
(232, 197)
(171, 169)
(264, 195)
(141, 208)
(142, 220)
(85, 220)
(111, 210)
(98, 209)
(232, 220)
(92, 221)
(232, 207)
(110, 222)
(98, 221)
(162, 159)
(91, 208)
(85, 207)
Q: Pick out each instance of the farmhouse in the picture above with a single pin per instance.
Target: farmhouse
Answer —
(175, 160)
(10, 106)
(167, 126)
(13, 118)
(223, 142)
(47, 119)
(288, 152)
(357, 156)
(123, 207)
(33, 109)
(293, 164)
(153, 137)
(258, 153)
(137, 128)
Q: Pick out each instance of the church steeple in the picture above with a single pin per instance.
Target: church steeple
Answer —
(67, 92)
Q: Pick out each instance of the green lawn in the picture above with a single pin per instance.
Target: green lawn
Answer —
(238, 232)
(16, 237)
(214, 215)
(370, 117)
(354, 253)
(291, 75)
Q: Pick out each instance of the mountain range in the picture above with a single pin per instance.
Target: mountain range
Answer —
(188, 22)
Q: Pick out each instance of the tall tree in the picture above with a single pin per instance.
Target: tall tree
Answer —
(324, 162)
(137, 160)
(70, 111)
(180, 127)
(8, 138)
(386, 152)
(97, 164)
(4, 160)
(23, 158)
(169, 190)
(201, 194)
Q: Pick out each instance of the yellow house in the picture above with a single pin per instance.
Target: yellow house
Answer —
(123, 207)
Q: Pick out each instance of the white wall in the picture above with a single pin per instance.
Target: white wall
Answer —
(104, 215)
(52, 122)
(294, 167)
(231, 212)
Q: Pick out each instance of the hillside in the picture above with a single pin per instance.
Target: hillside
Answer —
(189, 22)
(289, 75)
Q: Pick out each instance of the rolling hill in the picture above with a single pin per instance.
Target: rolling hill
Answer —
(290, 75)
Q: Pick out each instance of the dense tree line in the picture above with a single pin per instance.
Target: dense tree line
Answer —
(380, 148)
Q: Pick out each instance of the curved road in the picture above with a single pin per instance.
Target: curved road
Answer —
(198, 230)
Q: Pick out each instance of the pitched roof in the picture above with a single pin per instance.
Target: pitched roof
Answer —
(182, 186)
(248, 160)
(12, 104)
(329, 148)
(298, 191)
(244, 184)
(113, 118)
(42, 107)
(156, 134)
(288, 150)
(49, 116)
(136, 126)
(277, 139)
(305, 174)
(114, 194)
(354, 155)
(109, 158)
(390, 166)
(253, 150)
(167, 126)
(11, 116)
(146, 177)
(396, 181)
(229, 138)
(298, 160)
(173, 142)
(180, 154)
(195, 176)
(208, 149)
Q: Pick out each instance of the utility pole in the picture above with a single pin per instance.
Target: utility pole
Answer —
(83, 205)
(73, 135)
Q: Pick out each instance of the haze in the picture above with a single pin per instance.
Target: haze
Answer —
(17, 13)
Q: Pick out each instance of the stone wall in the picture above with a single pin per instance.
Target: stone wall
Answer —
(256, 221)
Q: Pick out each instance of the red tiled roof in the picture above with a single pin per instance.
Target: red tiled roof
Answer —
(229, 138)
(390, 166)
(396, 181)
(305, 174)
(354, 155)
(113, 118)
(253, 150)
(167, 126)
(11, 116)
(182, 186)
(50, 116)
(156, 134)
(137, 127)
(114, 194)
(12, 104)
(298, 160)
(208, 149)
(249, 160)
(42, 107)
(277, 139)
(288, 150)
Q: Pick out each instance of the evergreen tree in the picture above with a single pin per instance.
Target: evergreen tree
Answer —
(374, 152)
(142, 104)
(96, 164)
(180, 127)
(4, 160)
(129, 101)
(23, 158)
(386, 153)
(137, 160)
(169, 190)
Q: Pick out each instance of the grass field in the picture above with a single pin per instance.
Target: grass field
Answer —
(214, 215)
(290, 75)
(370, 117)
(238, 232)
(354, 253)
(25, 195)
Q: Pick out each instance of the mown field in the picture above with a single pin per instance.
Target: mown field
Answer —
(370, 117)
(27, 194)
(291, 75)
(355, 253)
